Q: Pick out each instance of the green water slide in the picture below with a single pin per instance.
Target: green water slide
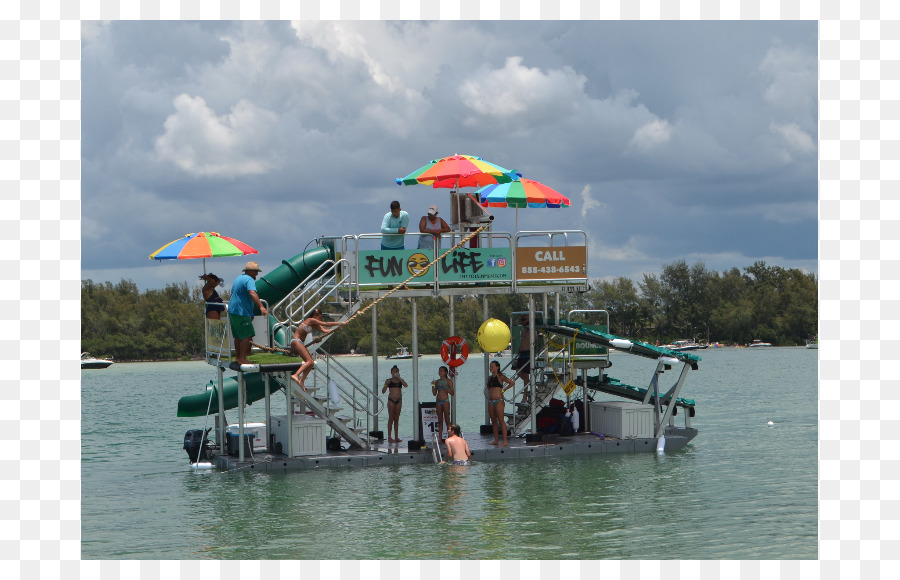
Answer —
(271, 287)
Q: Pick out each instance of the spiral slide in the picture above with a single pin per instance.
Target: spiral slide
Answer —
(271, 287)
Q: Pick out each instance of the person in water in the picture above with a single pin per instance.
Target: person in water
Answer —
(457, 449)
(314, 322)
(495, 402)
(442, 389)
(214, 305)
(395, 402)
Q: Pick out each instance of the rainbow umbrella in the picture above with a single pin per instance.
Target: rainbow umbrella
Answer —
(521, 193)
(458, 171)
(202, 245)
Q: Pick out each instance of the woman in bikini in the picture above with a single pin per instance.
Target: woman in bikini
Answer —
(442, 389)
(495, 401)
(395, 402)
(314, 322)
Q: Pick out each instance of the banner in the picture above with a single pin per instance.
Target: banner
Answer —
(218, 339)
(557, 263)
(460, 265)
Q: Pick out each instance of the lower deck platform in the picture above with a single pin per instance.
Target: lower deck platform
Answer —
(383, 453)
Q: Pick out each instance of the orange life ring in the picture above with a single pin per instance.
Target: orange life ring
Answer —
(454, 351)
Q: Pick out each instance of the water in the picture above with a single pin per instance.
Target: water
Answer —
(740, 490)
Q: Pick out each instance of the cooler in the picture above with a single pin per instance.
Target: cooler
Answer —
(255, 432)
(622, 419)
(307, 438)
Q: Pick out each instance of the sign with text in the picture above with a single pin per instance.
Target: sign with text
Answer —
(460, 265)
(429, 425)
(394, 266)
(557, 263)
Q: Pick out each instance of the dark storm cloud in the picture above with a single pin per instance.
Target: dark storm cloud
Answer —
(673, 139)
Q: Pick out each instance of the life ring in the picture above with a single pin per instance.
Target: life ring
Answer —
(454, 351)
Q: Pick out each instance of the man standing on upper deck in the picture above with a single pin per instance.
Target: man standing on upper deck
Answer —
(240, 311)
(393, 226)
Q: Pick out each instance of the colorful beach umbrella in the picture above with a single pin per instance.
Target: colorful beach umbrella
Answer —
(521, 193)
(458, 171)
(202, 245)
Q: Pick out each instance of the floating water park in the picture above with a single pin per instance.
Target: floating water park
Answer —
(562, 400)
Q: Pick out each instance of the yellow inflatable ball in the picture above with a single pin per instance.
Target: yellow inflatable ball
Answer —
(493, 335)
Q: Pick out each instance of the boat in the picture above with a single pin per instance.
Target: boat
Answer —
(812, 343)
(402, 353)
(334, 419)
(682, 345)
(758, 342)
(88, 361)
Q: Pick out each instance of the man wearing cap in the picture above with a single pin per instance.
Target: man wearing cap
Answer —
(393, 226)
(434, 225)
(240, 311)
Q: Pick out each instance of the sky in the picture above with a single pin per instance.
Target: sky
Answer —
(673, 140)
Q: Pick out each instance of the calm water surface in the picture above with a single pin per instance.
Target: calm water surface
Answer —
(740, 490)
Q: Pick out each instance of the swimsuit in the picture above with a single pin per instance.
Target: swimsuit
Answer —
(494, 401)
(444, 402)
(305, 328)
(442, 385)
(460, 462)
(218, 307)
(393, 385)
(494, 382)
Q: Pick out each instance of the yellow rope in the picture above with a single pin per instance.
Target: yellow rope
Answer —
(402, 284)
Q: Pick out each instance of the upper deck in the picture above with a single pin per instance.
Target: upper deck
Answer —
(488, 263)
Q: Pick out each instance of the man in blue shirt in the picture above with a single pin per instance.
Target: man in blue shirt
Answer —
(393, 226)
(240, 311)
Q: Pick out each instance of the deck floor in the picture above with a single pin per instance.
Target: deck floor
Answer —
(383, 453)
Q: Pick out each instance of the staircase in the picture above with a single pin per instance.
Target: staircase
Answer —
(351, 416)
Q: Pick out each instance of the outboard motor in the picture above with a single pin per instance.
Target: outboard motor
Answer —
(197, 445)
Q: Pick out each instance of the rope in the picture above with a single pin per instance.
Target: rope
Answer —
(403, 284)
(364, 310)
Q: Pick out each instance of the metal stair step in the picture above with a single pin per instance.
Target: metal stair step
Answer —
(344, 418)
(321, 399)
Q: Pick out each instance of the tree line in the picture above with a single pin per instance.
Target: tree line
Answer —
(684, 301)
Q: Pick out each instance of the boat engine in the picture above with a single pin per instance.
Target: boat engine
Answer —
(197, 445)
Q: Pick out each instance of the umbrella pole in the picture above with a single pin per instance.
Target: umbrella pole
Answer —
(517, 220)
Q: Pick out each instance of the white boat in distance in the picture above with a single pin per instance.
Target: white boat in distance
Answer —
(758, 342)
(682, 345)
(812, 343)
(89, 362)
(402, 352)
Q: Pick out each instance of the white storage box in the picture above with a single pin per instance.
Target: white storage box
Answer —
(258, 430)
(307, 438)
(622, 419)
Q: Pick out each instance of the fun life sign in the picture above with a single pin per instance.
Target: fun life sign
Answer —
(461, 265)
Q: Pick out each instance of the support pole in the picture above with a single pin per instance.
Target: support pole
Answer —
(415, 370)
(375, 366)
(222, 426)
(266, 379)
(452, 331)
(242, 396)
(533, 371)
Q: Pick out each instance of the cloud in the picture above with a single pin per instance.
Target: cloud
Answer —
(791, 75)
(204, 144)
(794, 137)
(651, 135)
(588, 202)
(515, 89)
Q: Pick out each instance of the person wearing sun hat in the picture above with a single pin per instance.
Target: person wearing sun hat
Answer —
(434, 225)
(214, 306)
(240, 311)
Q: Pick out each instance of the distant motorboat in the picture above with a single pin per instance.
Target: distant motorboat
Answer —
(812, 343)
(89, 362)
(758, 342)
(682, 345)
(402, 352)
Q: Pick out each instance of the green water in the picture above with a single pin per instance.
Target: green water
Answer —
(740, 490)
